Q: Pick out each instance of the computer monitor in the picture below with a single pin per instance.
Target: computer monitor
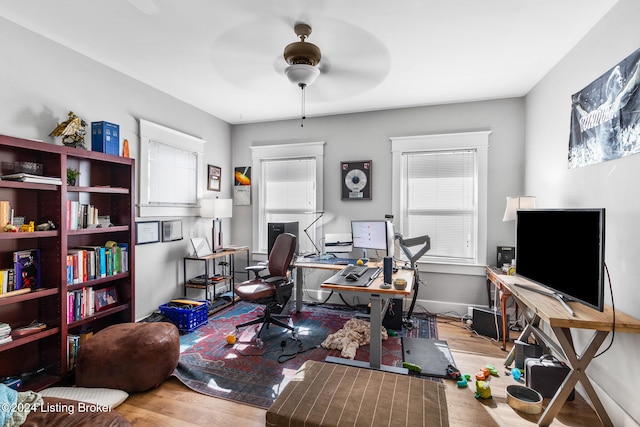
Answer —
(372, 234)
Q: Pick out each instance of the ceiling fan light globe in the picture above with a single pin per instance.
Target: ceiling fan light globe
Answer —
(302, 74)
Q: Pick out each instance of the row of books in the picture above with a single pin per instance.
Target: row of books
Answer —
(25, 273)
(5, 333)
(80, 215)
(93, 262)
(80, 304)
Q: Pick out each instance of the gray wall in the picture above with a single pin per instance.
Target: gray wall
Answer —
(611, 185)
(365, 136)
(40, 81)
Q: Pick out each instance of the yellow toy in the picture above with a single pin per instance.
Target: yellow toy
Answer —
(28, 228)
(483, 390)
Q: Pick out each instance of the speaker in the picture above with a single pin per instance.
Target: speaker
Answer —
(274, 229)
(505, 255)
(388, 269)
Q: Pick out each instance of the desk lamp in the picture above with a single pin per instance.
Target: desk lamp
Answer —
(306, 230)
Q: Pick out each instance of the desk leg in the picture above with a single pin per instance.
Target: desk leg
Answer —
(375, 343)
(578, 365)
(503, 306)
(298, 289)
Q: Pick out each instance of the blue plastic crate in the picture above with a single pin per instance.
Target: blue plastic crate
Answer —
(105, 137)
(187, 320)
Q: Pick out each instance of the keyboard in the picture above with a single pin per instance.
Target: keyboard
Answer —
(358, 271)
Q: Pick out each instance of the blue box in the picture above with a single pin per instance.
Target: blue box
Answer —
(105, 137)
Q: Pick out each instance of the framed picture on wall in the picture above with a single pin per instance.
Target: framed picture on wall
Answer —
(356, 180)
(213, 178)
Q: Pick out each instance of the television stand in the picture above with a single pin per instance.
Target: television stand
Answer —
(555, 295)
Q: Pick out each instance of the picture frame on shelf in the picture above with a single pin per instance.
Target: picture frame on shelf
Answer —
(147, 232)
(214, 178)
(106, 298)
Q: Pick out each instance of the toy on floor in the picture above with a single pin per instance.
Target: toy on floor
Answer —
(483, 390)
(231, 339)
(464, 380)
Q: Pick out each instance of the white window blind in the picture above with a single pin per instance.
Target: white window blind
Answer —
(178, 187)
(440, 190)
(441, 202)
(289, 185)
(289, 194)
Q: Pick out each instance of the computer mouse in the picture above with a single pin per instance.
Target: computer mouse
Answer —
(352, 277)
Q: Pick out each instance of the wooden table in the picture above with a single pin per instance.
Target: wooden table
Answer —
(376, 296)
(493, 274)
(539, 308)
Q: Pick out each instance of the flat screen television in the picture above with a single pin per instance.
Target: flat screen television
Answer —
(563, 250)
(373, 234)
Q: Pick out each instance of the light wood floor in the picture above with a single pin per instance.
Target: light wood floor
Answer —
(173, 404)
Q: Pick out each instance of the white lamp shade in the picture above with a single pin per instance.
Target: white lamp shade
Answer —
(223, 208)
(207, 208)
(515, 203)
(302, 74)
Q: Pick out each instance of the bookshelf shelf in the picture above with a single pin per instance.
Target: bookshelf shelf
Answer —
(106, 182)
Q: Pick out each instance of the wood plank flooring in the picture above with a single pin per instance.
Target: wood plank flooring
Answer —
(173, 404)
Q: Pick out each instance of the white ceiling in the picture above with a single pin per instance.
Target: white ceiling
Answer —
(226, 57)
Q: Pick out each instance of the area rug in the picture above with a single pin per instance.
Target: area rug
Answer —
(254, 375)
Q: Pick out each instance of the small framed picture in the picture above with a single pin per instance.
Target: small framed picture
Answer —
(214, 177)
(171, 230)
(106, 297)
(147, 232)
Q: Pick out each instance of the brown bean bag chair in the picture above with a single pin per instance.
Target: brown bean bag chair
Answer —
(129, 356)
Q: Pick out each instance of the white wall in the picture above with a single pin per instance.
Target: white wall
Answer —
(365, 136)
(40, 81)
(612, 185)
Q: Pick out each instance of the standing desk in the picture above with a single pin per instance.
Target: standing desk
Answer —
(376, 296)
(537, 308)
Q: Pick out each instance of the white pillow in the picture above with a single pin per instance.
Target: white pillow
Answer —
(99, 396)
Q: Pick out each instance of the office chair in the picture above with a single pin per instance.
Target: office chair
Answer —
(274, 289)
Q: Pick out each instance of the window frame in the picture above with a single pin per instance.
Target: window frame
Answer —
(284, 152)
(477, 141)
(151, 133)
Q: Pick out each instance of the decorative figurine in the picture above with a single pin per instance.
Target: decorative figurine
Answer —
(72, 131)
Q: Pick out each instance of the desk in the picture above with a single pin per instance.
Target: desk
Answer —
(505, 293)
(537, 308)
(376, 296)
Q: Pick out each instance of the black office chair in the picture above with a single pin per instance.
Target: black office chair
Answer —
(274, 289)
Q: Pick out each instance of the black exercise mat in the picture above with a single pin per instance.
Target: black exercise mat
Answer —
(433, 356)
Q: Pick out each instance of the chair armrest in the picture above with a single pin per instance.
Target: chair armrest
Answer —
(256, 269)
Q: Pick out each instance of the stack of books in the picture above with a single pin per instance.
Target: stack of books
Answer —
(37, 179)
(5, 333)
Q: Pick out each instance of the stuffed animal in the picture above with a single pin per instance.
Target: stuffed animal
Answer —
(354, 333)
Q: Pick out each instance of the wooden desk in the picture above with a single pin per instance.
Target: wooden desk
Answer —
(492, 279)
(537, 308)
(376, 295)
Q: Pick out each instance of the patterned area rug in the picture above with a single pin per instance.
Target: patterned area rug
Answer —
(255, 375)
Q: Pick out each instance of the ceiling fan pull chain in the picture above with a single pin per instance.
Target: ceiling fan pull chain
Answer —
(303, 115)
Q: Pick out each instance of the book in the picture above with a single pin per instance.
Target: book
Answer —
(5, 214)
(37, 179)
(26, 265)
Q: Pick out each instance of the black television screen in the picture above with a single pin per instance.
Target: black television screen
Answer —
(563, 250)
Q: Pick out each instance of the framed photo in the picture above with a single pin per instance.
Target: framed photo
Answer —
(214, 177)
(171, 230)
(147, 232)
(356, 180)
(105, 298)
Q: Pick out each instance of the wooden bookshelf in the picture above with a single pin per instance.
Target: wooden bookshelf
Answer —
(108, 183)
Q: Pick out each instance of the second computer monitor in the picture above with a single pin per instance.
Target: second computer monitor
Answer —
(372, 234)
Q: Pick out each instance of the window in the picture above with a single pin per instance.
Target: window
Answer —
(289, 188)
(171, 167)
(440, 183)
